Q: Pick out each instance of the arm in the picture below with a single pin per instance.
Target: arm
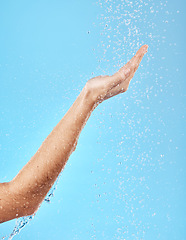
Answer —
(23, 195)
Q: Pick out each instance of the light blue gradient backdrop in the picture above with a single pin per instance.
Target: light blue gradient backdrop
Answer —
(126, 179)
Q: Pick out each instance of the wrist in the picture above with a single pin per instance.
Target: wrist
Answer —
(90, 96)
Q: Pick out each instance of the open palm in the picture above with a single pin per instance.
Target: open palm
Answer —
(104, 87)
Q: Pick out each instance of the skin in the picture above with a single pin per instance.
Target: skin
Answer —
(24, 194)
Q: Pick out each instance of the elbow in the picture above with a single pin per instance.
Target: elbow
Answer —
(26, 207)
(23, 204)
(14, 204)
(23, 210)
(27, 210)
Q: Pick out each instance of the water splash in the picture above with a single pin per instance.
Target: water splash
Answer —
(52, 190)
(125, 26)
(23, 221)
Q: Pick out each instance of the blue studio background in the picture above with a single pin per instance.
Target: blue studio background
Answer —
(126, 179)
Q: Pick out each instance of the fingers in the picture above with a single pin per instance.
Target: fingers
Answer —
(126, 73)
(133, 64)
(135, 61)
(140, 53)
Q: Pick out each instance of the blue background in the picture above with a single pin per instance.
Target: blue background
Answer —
(126, 179)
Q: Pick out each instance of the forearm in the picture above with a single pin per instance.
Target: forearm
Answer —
(39, 174)
(27, 190)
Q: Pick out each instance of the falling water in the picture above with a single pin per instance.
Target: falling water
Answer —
(23, 221)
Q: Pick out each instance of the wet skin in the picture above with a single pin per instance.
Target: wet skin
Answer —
(23, 195)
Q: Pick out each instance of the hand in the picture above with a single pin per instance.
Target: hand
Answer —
(104, 87)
